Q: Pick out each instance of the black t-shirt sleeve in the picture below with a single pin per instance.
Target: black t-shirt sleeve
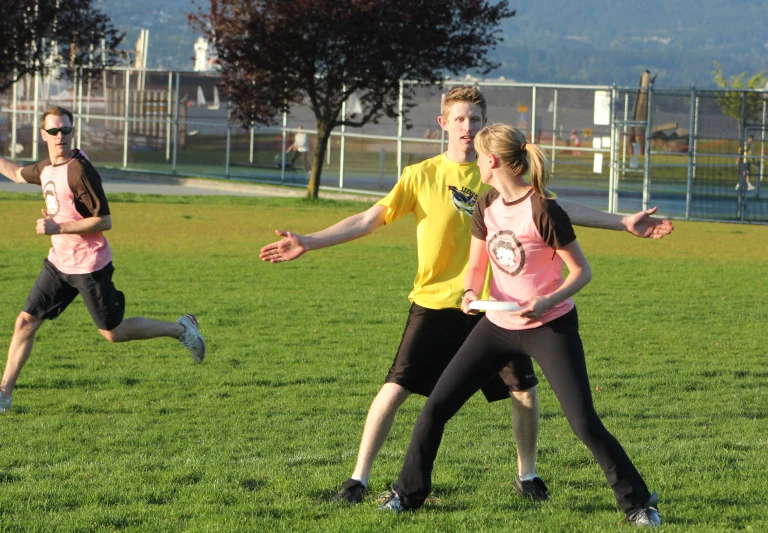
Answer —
(478, 216)
(85, 182)
(552, 222)
(31, 173)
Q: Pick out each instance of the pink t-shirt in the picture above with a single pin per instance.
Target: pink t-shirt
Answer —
(521, 239)
(73, 191)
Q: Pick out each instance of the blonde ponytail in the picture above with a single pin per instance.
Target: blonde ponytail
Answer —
(539, 172)
(508, 144)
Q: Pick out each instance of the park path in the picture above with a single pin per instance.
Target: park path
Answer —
(120, 181)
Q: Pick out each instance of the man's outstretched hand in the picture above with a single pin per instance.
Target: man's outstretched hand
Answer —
(642, 224)
(288, 248)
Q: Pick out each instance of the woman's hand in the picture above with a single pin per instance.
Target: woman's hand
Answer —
(533, 309)
(469, 297)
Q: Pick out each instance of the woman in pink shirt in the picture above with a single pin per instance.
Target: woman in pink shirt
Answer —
(527, 238)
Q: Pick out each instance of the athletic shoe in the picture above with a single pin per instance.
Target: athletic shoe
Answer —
(535, 489)
(647, 516)
(390, 501)
(5, 402)
(352, 491)
(191, 338)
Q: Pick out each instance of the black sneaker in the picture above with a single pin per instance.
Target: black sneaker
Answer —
(535, 489)
(647, 516)
(352, 491)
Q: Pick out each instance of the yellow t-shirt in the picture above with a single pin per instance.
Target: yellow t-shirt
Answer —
(442, 194)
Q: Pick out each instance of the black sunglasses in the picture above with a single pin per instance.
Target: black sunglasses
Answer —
(66, 130)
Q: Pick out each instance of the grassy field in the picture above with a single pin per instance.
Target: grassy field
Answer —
(135, 437)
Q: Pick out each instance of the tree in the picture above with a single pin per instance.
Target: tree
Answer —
(274, 53)
(735, 104)
(39, 34)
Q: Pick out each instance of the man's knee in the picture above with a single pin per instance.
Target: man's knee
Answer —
(527, 398)
(392, 394)
(26, 324)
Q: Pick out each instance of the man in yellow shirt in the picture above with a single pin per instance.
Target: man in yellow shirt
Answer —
(441, 192)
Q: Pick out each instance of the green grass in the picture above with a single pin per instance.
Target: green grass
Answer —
(135, 437)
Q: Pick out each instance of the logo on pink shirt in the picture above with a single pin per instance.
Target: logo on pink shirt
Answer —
(506, 252)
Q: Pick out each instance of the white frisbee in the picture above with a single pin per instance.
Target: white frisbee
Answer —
(493, 305)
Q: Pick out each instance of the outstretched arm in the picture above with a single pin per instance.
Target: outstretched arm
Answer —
(293, 245)
(641, 224)
(11, 170)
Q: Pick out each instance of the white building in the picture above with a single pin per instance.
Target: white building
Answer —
(203, 59)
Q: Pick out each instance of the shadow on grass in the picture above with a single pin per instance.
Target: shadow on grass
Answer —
(65, 383)
(589, 508)
(7, 477)
(278, 383)
(253, 485)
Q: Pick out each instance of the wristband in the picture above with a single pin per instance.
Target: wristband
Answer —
(463, 294)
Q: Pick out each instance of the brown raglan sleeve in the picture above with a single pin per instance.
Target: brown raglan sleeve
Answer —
(85, 182)
(479, 229)
(552, 222)
(31, 173)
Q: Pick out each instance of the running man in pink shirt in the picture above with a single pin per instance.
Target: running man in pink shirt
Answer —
(527, 238)
(80, 261)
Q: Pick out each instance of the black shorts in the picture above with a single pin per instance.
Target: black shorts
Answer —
(54, 291)
(431, 339)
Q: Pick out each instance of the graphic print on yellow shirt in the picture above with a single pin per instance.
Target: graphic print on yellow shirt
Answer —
(442, 195)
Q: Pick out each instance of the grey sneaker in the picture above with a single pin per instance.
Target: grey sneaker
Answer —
(390, 501)
(647, 516)
(352, 491)
(5, 402)
(191, 338)
(534, 489)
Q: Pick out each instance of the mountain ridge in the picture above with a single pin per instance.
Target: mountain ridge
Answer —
(549, 41)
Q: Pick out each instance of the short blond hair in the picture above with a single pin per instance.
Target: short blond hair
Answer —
(464, 93)
(57, 111)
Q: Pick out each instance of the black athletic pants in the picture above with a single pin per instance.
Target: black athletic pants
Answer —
(556, 347)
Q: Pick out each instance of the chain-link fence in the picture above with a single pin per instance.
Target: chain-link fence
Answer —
(697, 154)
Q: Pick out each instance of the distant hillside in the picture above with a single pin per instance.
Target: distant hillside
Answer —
(550, 41)
(582, 41)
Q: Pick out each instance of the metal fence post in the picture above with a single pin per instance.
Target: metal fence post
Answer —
(741, 194)
(342, 158)
(554, 131)
(761, 170)
(125, 125)
(533, 115)
(612, 156)
(691, 154)
(35, 149)
(79, 106)
(168, 118)
(14, 107)
(176, 125)
(400, 121)
(250, 150)
(647, 168)
(229, 150)
(282, 156)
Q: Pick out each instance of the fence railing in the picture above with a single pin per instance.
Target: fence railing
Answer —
(615, 148)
